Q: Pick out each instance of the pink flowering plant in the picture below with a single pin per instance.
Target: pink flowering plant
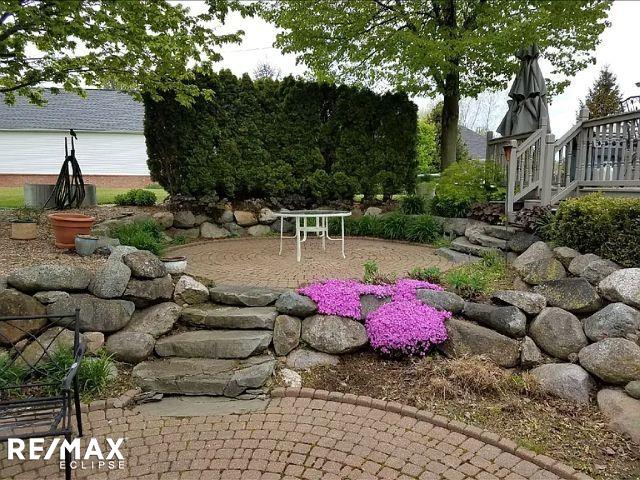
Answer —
(403, 326)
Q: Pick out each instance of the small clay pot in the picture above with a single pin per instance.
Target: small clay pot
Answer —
(175, 265)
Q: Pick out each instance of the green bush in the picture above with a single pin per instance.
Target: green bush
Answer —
(466, 183)
(144, 235)
(136, 198)
(606, 226)
(393, 226)
(412, 205)
(476, 279)
(422, 229)
(428, 274)
(262, 139)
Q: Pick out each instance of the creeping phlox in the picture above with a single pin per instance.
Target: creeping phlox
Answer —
(405, 325)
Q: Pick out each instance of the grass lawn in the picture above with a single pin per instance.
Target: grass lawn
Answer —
(12, 197)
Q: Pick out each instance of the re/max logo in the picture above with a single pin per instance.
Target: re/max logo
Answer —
(34, 449)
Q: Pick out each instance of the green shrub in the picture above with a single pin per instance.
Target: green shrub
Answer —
(466, 183)
(144, 235)
(262, 139)
(94, 373)
(422, 229)
(428, 274)
(136, 198)
(371, 271)
(412, 205)
(476, 279)
(606, 226)
(393, 226)
(179, 239)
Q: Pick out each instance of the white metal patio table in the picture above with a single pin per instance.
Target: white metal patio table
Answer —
(320, 227)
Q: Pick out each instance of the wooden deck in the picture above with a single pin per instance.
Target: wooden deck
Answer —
(595, 155)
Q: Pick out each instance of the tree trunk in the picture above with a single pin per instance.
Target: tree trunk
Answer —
(450, 118)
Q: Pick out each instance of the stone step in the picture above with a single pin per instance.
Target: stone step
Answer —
(456, 257)
(244, 296)
(203, 376)
(219, 316)
(488, 241)
(461, 244)
(501, 231)
(214, 344)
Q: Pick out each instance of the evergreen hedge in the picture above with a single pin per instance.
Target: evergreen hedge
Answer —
(274, 139)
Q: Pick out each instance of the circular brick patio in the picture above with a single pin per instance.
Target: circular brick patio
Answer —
(302, 434)
(255, 261)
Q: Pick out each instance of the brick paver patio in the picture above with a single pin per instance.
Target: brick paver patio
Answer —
(255, 261)
(305, 435)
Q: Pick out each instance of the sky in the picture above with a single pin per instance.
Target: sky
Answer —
(617, 49)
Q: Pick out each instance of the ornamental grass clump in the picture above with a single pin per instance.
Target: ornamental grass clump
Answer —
(405, 326)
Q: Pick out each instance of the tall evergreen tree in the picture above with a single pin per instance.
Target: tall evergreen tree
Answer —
(604, 97)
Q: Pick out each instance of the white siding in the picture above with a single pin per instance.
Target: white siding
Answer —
(97, 153)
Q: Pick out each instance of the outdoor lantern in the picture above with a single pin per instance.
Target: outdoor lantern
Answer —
(507, 147)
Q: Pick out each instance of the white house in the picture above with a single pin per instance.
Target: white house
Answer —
(110, 148)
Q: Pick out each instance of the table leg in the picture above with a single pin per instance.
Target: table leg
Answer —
(281, 233)
(342, 231)
(324, 231)
(298, 250)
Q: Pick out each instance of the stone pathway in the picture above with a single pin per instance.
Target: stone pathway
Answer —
(255, 261)
(303, 434)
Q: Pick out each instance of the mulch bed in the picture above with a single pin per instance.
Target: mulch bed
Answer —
(23, 253)
(475, 391)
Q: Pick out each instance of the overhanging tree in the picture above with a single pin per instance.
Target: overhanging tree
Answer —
(454, 48)
(138, 46)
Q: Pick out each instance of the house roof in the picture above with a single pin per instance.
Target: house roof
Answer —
(101, 111)
(476, 143)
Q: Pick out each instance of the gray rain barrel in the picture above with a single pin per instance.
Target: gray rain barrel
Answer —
(37, 195)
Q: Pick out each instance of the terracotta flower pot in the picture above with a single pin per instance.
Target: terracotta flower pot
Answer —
(67, 225)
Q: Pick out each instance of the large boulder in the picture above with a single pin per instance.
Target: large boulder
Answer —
(565, 380)
(130, 347)
(292, 303)
(558, 332)
(537, 264)
(144, 264)
(267, 216)
(96, 314)
(622, 286)
(530, 354)
(164, 219)
(333, 334)
(245, 218)
(259, 230)
(156, 320)
(304, 359)
(614, 320)
(373, 212)
(612, 360)
(633, 389)
(622, 412)
(45, 346)
(466, 338)
(572, 294)
(211, 230)
(218, 316)
(190, 292)
(370, 303)
(521, 241)
(214, 344)
(528, 302)
(50, 277)
(581, 262)
(441, 300)
(507, 320)
(286, 334)
(147, 292)
(184, 219)
(565, 255)
(117, 253)
(17, 304)
(110, 280)
(598, 270)
(243, 295)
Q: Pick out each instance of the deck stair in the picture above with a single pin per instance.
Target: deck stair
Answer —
(218, 349)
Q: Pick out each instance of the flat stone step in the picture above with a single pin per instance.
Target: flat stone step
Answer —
(488, 241)
(456, 257)
(461, 244)
(244, 296)
(203, 376)
(214, 344)
(201, 406)
(501, 231)
(219, 316)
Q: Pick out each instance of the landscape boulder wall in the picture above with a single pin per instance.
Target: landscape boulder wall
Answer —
(333, 334)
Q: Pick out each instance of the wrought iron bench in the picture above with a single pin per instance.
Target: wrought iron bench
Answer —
(31, 406)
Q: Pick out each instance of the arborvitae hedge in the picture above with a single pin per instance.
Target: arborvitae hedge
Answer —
(270, 139)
